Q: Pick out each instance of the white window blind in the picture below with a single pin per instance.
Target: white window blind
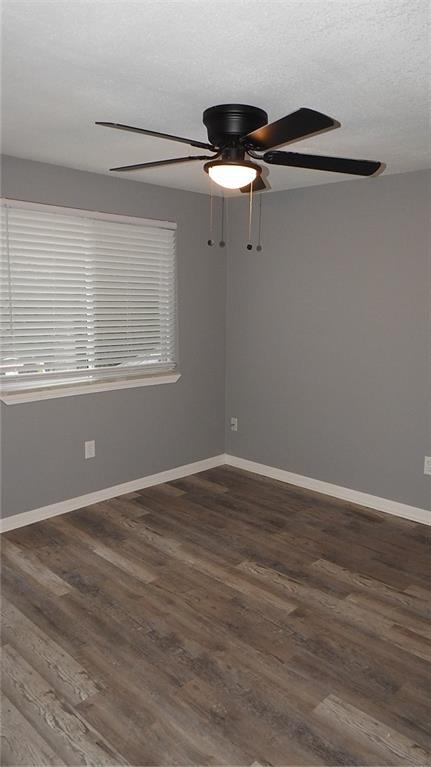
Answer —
(84, 296)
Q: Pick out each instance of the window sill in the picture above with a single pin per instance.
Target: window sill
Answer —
(34, 395)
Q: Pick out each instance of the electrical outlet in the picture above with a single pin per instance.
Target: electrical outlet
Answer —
(90, 448)
(234, 423)
(427, 464)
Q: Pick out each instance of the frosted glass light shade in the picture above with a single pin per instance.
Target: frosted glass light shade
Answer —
(232, 176)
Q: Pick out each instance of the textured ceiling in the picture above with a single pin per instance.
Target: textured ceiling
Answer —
(159, 64)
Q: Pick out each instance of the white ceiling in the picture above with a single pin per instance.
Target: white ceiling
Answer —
(159, 64)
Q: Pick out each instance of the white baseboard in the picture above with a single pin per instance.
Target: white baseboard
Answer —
(54, 509)
(344, 493)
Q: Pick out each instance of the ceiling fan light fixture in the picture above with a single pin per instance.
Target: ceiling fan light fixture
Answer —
(232, 175)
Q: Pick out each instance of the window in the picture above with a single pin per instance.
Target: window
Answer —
(86, 297)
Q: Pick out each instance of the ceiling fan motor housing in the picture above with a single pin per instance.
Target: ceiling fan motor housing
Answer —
(227, 123)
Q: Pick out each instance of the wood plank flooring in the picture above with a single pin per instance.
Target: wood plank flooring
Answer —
(222, 619)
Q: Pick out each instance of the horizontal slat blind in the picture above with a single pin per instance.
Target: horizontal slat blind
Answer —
(84, 298)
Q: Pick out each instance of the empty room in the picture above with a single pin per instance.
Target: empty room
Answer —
(215, 383)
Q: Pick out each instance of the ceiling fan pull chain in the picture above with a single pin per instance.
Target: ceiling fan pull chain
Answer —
(259, 242)
(222, 242)
(211, 242)
(250, 214)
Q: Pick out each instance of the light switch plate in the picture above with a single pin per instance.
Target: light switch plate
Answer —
(90, 448)
(427, 464)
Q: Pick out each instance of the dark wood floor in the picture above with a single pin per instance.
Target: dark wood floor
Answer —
(223, 619)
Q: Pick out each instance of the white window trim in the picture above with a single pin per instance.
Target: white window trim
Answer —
(14, 398)
(84, 387)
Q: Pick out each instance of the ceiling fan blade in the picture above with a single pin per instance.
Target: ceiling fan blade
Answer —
(258, 186)
(191, 142)
(320, 162)
(156, 163)
(300, 124)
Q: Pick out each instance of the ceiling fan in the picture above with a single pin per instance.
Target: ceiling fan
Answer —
(237, 132)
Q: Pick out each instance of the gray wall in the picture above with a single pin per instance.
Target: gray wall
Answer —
(328, 345)
(328, 335)
(137, 431)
